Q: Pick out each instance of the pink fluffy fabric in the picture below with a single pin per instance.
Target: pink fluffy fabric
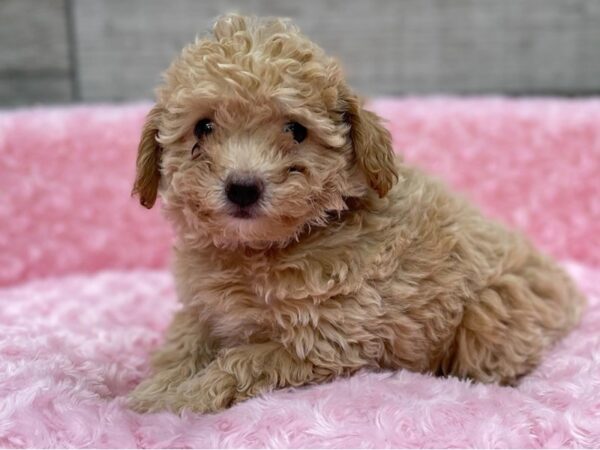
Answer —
(85, 295)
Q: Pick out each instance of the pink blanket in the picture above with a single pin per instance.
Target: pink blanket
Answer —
(84, 293)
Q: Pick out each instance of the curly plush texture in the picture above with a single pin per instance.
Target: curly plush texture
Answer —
(85, 296)
(346, 257)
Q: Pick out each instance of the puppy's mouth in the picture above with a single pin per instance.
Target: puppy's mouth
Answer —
(243, 213)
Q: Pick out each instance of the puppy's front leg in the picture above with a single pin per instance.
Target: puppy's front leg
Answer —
(187, 350)
(240, 373)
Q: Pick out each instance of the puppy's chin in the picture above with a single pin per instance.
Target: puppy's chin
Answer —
(251, 230)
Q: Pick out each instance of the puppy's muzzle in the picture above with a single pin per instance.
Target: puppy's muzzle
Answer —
(244, 191)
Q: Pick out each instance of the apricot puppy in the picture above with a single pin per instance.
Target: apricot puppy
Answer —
(306, 250)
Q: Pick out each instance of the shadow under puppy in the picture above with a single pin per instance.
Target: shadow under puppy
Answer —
(306, 250)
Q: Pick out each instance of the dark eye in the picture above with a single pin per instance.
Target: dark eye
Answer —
(203, 128)
(298, 131)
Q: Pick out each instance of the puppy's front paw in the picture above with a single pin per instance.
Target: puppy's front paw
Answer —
(211, 391)
(147, 397)
(144, 405)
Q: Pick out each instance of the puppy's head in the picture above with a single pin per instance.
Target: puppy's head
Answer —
(255, 137)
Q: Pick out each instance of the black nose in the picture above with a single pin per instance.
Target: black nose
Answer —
(244, 192)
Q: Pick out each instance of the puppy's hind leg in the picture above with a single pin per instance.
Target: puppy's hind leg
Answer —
(516, 319)
(187, 350)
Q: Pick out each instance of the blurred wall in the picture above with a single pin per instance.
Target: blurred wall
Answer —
(106, 50)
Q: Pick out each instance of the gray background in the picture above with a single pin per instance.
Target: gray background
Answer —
(58, 51)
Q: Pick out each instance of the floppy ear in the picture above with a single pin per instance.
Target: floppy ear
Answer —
(372, 146)
(147, 174)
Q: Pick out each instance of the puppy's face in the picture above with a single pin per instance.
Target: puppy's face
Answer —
(256, 137)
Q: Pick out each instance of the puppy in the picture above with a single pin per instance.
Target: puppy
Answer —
(306, 250)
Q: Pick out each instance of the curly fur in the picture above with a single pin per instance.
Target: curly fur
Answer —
(354, 261)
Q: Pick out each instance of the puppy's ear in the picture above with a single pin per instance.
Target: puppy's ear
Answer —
(372, 145)
(147, 174)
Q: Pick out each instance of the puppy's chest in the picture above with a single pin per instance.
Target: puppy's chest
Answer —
(236, 309)
(262, 305)
(264, 297)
